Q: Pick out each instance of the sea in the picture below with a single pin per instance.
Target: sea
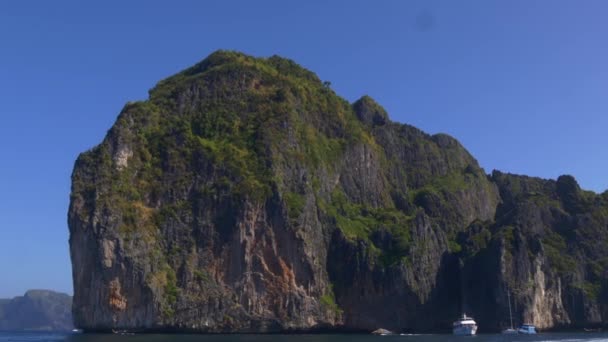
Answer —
(541, 337)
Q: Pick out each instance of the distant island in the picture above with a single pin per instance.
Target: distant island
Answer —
(37, 310)
(245, 195)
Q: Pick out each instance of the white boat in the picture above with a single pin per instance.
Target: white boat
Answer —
(465, 326)
(527, 329)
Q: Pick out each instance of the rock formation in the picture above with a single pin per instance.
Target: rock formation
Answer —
(245, 196)
(37, 310)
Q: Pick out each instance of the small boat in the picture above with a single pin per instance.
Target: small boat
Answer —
(510, 330)
(122, 332)
(382, 332)
(527, 329)
(465, 326)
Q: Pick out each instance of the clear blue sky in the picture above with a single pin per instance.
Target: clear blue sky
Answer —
(522, 84)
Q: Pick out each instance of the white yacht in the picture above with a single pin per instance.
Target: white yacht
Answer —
(465, 326)
(527, 329)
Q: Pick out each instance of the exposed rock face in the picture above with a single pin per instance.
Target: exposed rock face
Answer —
(37, 310)
(246, 196)
(547, 247)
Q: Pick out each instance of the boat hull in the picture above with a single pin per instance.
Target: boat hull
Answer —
(465, 331)
(527, 329)
(526, 332)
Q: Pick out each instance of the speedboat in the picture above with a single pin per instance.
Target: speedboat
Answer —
(527, 329)
(465, 326)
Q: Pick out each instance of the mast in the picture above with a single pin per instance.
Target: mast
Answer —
(510, 314)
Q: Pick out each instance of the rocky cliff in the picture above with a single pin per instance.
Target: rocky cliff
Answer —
(37, 310)
(245, 196)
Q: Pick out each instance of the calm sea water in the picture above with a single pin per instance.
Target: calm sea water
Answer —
(543, 337)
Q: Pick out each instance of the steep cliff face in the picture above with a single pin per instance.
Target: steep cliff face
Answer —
(546, 248)
(245, 196)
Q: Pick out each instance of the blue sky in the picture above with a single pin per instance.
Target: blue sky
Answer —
(522, 84)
